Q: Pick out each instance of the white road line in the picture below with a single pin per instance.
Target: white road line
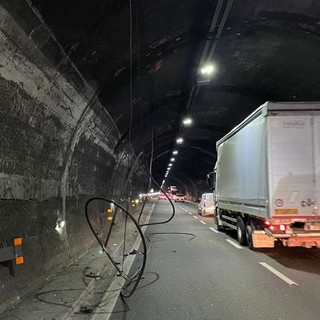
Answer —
(214, 230)
(195, 217)
(202, 222)
(114, 289)
(112, 294)
(234, 244)
(190, 213)
(278, 274)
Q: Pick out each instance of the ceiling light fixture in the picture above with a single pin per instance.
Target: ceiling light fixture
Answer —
(170, 164)
(179, 140)
(175, 152)
(172, 159)
(187, 121)
(207, 69)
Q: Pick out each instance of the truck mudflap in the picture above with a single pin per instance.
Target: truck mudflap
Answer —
(261, 240)
(303, 240)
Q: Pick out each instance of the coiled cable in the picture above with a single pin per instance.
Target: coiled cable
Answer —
(135, 279)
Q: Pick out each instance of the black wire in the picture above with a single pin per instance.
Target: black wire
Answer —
(139, 273)
(185, 233)
(124, 239)
(173, 208)
(131, 69)
(150, 168)
(124, 190)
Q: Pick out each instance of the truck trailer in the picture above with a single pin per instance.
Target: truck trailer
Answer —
(266, 180)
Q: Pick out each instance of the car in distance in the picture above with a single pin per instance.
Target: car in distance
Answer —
(162, 196)
(206, 205)
(179, 198)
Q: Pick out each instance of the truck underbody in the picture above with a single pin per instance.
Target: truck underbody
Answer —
(258, 232)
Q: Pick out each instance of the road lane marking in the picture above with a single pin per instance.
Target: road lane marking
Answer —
(115, 287)
(195, 217)
(234, 244)
(202, 222)
(214, 230)
(190, 213)
(278, 274)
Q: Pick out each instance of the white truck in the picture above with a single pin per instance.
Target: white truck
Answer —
(267, 177)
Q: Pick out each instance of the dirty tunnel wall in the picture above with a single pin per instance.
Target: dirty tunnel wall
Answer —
(57, 150)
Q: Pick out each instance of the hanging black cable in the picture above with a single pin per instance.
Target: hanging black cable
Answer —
(138, 275)
(150, 165)
(152, 178)
(173, 208)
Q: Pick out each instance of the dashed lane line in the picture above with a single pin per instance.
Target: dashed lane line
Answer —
(234, 244)
(264, 264)
(279, 274)
(214, 230)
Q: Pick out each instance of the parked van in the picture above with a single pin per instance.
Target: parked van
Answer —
(206, 204)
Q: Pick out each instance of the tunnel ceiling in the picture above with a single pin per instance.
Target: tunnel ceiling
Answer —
(143, 59)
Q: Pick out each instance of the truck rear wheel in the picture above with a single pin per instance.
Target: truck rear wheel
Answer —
(249, 236)
(241, 232)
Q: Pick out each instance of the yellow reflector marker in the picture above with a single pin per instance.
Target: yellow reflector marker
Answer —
(109, 218)
(286, 211)
(19, 260)
(109, 210)
(17, 242)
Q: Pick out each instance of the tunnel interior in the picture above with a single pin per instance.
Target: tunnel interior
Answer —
(93, 95)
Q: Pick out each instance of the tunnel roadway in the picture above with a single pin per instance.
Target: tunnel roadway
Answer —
(192, 272)
(210, 276)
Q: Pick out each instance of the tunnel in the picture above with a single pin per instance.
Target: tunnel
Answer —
(104, 104)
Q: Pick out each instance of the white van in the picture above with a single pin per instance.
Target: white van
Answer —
(206, 204)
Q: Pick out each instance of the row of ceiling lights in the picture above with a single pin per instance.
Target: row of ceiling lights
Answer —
(206, 71)
(185, 122)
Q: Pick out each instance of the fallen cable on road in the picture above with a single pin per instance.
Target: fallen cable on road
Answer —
(175, 233)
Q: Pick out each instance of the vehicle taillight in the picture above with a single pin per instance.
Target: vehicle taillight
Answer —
(267, 223)
(278, 227)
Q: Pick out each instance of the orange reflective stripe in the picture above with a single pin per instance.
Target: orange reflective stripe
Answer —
(17, 242)
(19, 260)
(286, 211)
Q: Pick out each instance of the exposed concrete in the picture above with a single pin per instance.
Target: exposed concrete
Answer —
(56, 152)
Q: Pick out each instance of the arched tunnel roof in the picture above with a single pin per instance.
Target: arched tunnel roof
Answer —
(143, 58)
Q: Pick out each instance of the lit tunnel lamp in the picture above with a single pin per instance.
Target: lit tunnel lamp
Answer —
(207, 69)
(187, 122)
(205, 74)
(179, 140)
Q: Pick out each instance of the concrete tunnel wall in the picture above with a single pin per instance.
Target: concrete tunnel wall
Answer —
(57, 150)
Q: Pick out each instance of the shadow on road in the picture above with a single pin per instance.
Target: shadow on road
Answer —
(302, 259)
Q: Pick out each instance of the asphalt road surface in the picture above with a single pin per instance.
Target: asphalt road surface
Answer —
(195, 272)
